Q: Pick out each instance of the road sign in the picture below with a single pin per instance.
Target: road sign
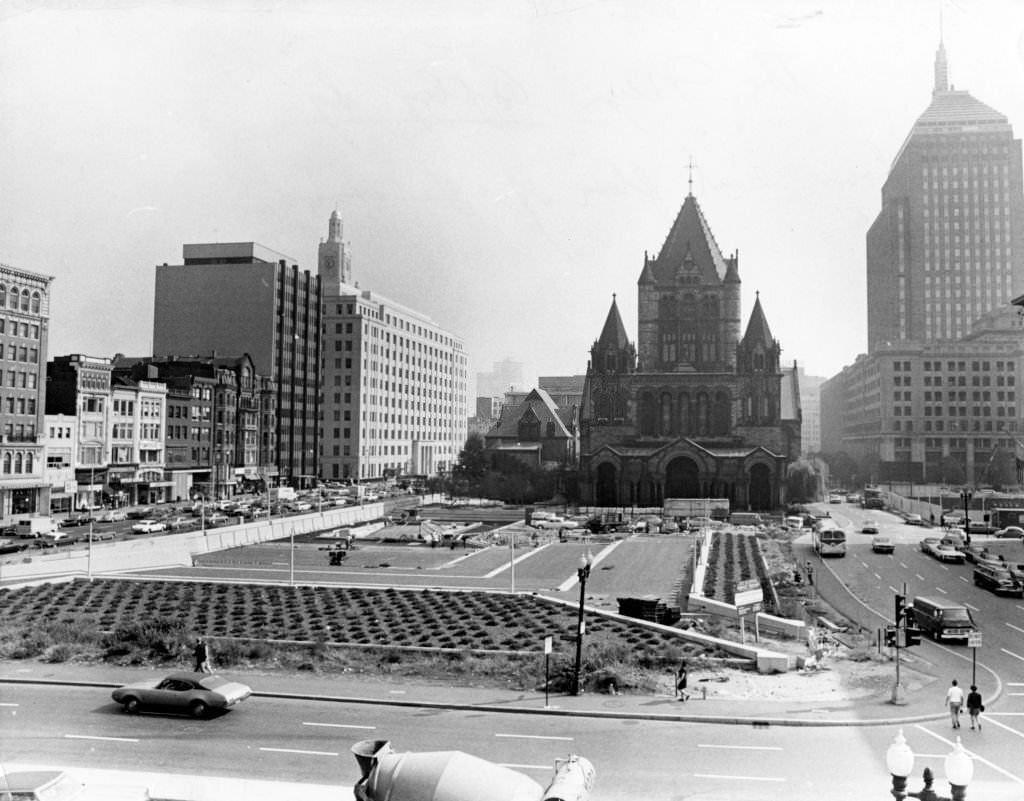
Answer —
(747, 585)
(974, 639)
(748, 609)
(747, 597)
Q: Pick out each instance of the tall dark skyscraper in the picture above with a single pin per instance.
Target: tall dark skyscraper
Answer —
(948, 245)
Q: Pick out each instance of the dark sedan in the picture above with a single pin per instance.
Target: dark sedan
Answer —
(194, 693)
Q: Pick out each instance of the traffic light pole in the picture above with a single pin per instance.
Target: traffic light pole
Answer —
(898, 694)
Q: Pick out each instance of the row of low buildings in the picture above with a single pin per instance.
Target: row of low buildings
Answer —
(262, 374)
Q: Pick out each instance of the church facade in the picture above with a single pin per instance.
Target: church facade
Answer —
(694, 409)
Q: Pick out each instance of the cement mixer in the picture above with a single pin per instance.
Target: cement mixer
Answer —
(457, 776)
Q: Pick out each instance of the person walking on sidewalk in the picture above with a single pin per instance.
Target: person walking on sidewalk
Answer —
(202, 657)
(681, 682)
(974, 706)
(955, 702)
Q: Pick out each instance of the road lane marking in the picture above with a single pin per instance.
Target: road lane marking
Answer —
(535, 737)
(903, 565)
(919, 576)
(338, 725)
(743, 747)
(1019, 607)
(1015, 693)
(972, 607)
(1015, 628)
(973, 755)
(1015, 684)
(942, 590)
(962, 579)
(8, 704)
(297, 751)
(97, 737)
(527, 553)
(524, 767)
(877, 576)
(894, 589)
(1011, 653)
(739, 778)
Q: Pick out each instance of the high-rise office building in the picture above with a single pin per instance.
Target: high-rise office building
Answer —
(228, 299)
(948, 244)
(395, 394)
(935, 399)
(24, 332)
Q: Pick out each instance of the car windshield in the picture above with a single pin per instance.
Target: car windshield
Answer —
(954, 616)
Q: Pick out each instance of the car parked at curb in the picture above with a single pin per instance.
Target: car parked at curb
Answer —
(914, 520)
(997, 579)
(179, 522)
(1015, 532)
(943, 551)
(196, 694)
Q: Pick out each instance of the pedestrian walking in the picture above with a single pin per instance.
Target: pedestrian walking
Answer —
(202, 657)
(681, 693)
(955, 702)
(974, 706)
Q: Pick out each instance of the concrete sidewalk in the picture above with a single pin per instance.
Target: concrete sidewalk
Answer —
(920, 705)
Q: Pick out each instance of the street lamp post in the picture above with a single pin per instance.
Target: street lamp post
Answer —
(966, 495)
(958, 766)
(583, 573)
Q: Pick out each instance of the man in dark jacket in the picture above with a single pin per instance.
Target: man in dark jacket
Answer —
(974, 706)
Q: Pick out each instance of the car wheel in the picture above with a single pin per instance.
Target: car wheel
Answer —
(198, 709)
(131, 705)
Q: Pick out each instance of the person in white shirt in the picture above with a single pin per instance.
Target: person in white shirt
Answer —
(955, 701)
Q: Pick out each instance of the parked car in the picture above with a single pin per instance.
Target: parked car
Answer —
(943, 551)
(216, 519)
(148, 527)
(77, 519)
(881, 543)
(111, 516)
(914, 520)
(869, 527)
(952, 520)
(977, 553)
(140, 513)
(979, 527)
(998, 579)
(955, 538)
(1011, 531)
(194, 693)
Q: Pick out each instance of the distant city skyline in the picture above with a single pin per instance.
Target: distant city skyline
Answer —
(501, 167)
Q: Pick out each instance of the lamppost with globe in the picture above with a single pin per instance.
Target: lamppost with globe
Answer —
(582, 573)
(899, 760)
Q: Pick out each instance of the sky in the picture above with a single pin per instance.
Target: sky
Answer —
(499, 166)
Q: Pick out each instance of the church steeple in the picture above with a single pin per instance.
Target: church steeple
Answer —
(334, 263)
(612, 351)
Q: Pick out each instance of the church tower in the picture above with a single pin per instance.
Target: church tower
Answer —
(757, 365)
(334, 264)
(612, 359)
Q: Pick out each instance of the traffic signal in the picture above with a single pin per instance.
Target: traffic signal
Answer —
(901, 607)
(890, 636)
(913, 635)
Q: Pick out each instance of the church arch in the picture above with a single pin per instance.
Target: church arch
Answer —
(648, 414)
(722, 414)
(682, 479)
(606, 487)
(760, 493)
(665, 406)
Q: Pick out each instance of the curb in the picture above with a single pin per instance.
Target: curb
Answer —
(737, 720)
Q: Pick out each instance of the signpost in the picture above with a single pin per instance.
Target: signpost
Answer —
(749, 599)
(547, 663)
(974, 643)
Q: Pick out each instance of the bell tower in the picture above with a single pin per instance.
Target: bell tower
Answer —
(334, 264)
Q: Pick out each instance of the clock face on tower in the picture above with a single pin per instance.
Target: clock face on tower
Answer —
(331, 262)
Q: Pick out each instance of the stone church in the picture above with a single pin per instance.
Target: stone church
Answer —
(694, 410)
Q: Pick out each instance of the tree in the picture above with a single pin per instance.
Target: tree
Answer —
(801, 482)
(472, 463)
(1001, 470)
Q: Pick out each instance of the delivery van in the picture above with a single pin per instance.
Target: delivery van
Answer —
(35, 527)
(943, 620)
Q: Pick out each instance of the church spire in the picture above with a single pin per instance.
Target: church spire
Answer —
(334, 227)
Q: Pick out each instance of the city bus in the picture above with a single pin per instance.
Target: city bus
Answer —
(829, 539)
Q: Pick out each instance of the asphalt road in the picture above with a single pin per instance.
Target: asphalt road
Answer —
(309, 742)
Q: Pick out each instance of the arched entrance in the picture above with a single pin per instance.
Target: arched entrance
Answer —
(682, 479)
(605, 493)
(760, 496)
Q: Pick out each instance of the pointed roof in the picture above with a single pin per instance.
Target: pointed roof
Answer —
(614, 332)
(953, 111)
(689, 238)
(757, 327)
(540, 405)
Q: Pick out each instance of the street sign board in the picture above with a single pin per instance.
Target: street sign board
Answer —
(747, 585)
(749, 597)
(748, 609)
(974, 639)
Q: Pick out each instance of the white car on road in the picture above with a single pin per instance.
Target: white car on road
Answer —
(148, 527)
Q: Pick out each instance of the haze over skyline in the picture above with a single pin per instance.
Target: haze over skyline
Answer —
(501, 167)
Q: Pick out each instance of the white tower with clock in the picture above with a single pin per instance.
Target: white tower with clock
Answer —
(334, 264)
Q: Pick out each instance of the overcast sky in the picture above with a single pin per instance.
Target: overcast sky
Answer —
(500, 166)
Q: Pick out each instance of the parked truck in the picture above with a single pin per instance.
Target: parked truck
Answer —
(35, 527)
